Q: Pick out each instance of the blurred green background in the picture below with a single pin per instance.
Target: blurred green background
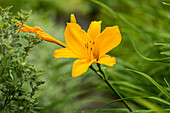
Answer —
(64, 94)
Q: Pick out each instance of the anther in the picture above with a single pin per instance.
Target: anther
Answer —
(93, 42)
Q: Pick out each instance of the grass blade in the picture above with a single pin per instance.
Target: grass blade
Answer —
(166, 59)
(153, 81)
(122, 18)
(160, 100)
(166, 3)
(166, 82)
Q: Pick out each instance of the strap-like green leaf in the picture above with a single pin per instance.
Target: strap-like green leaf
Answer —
(153, 81)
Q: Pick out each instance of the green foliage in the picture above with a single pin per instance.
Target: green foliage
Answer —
(144, 22)
(150, 41)
(165, 3)
(154, 82)
(18, 79)
(50, 7)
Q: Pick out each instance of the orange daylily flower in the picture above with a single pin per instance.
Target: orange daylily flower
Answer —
(89, 47)
(40, 32)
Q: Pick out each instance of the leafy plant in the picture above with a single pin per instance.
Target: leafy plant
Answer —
(18, 79)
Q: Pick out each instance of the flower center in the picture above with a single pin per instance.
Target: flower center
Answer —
(90, 48)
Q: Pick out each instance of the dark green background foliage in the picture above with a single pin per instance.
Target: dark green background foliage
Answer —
(145, 47)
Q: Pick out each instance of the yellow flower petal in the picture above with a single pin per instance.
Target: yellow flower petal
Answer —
(72, 19)
(19, 23)
(40, 32)
(107, 40)
(25, 28)
(64, 53)
(36, 28)
(107, 60)
(94, 29)
(49, 38)
(80, 67)
(76, 39)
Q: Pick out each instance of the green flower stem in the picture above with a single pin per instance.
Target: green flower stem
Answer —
(117, 93)
(103, 77)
